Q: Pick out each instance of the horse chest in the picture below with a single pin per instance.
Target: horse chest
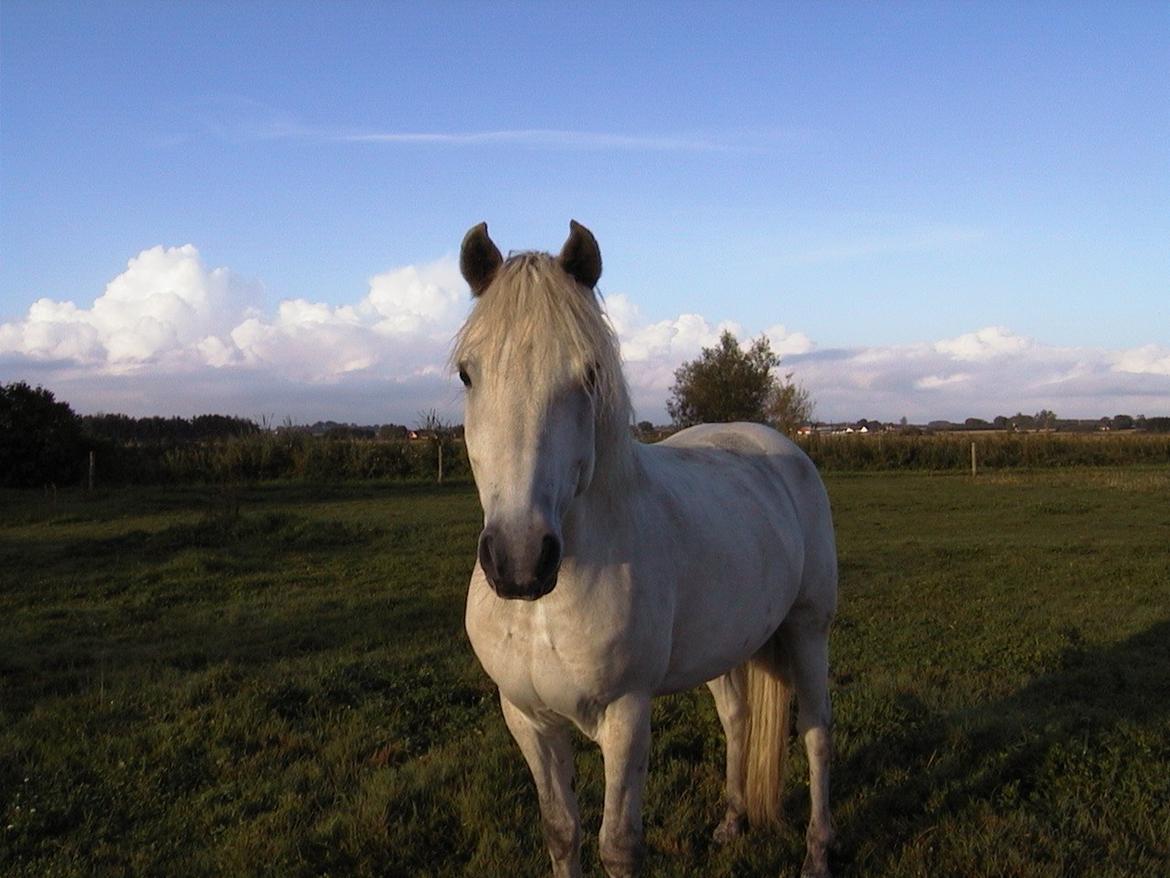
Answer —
(544, 660)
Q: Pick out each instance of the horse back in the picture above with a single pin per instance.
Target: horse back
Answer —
(760, 447)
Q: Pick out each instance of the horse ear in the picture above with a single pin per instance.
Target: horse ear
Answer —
(479, 259)
(581, 257)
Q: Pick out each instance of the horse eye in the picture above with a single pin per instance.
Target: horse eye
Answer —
(464, 377)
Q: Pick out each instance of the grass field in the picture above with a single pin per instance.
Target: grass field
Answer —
(274, 680)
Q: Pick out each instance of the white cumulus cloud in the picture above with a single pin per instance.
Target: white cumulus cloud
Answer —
(163, 303)
(168, 307)
(169, 335)
(984, 373)
(1146, 360)
(984, 344)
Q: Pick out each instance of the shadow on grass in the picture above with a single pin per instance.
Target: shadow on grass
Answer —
(1060, 755)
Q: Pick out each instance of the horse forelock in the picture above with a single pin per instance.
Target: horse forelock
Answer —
(538, 326)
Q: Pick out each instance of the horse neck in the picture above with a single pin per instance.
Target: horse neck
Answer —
(615, 464)
(616, 471)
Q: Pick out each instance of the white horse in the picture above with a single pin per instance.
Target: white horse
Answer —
(610, 571)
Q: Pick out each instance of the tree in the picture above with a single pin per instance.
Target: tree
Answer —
(438, 432)
(791, 405)
(392, 431)
(1157, 425)
(726, 383)
(40, 438)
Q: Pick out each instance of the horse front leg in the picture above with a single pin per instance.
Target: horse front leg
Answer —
(549, 754)
(624, 737)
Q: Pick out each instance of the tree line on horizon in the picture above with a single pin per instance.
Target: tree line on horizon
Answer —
(43, 441)
(174, 430)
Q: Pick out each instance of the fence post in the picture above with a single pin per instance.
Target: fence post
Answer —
(92, 467)
(973, 469)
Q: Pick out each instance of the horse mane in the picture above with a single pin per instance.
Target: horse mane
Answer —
(537, 322)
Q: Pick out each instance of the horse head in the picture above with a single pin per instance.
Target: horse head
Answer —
(539, 362)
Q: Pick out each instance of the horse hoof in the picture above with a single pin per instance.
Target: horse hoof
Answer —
(731, 828)
(814, 868)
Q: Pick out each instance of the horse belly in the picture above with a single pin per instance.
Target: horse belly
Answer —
(713, 634)
(738, 558)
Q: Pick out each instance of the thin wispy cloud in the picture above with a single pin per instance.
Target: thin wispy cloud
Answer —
(543, 137)
(241, 119)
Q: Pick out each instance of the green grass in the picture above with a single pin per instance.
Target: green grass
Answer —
(274, 680)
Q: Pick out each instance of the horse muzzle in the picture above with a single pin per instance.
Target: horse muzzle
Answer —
(513, 573)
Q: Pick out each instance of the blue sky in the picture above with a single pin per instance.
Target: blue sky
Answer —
(934, 210)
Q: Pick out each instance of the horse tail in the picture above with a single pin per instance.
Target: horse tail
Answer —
(769, 697)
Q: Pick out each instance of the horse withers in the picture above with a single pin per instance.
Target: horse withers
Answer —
(609, 572)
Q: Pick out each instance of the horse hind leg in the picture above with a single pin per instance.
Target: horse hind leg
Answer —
(804, 640)
(753, 702)
(730, 694)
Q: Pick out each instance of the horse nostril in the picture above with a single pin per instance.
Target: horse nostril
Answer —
(492, 560)
(550, 557)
